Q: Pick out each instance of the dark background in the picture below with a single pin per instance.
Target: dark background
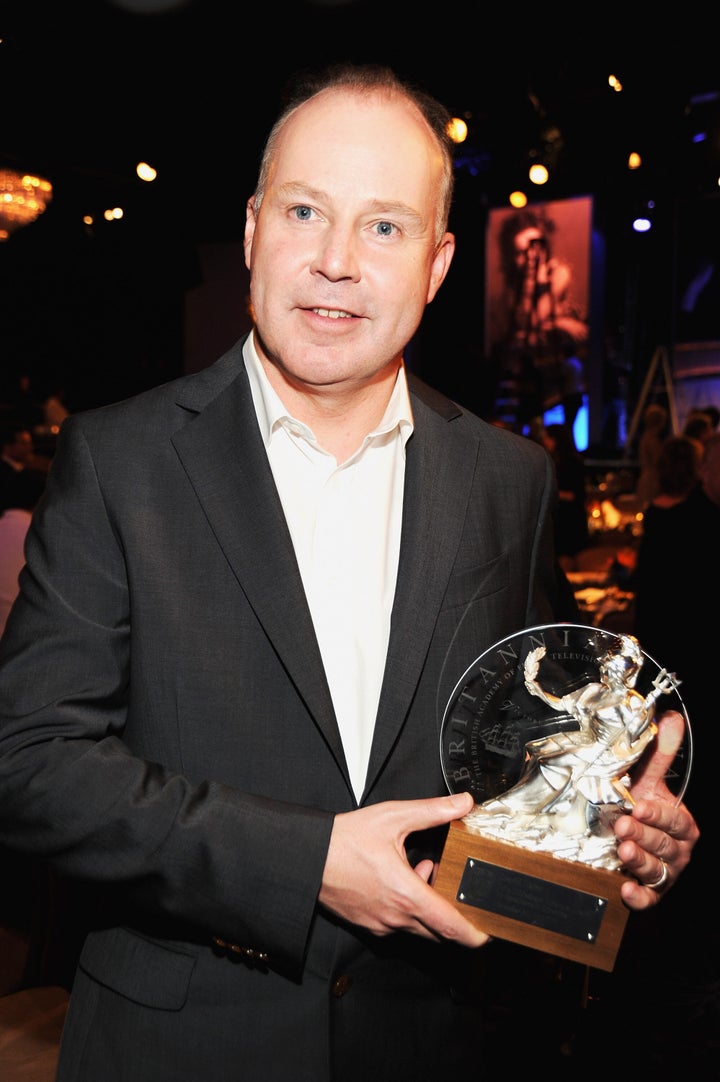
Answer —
(91, 87)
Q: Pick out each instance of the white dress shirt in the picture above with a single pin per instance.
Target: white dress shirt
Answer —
(345, 523)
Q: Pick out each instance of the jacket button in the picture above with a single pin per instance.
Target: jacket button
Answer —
(341, 985)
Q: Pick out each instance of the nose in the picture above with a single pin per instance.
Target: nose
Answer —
(336, 257)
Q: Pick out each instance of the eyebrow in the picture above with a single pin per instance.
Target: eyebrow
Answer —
(295, 189)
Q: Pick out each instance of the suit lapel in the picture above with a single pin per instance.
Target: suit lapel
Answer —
(224, 456)
(225, 460)
(438, 477)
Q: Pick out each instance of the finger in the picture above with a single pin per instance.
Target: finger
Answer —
(654, 854)
(442, 920)
(638, 896)
(425, 869)
(669, 821)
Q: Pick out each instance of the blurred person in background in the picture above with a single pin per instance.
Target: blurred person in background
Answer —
(17, 454)
(677, 604)
(20, 398)
(655, 421)
(54, 406)
(712, 413)
(698, 425)
(676, 582)
(670, 567)
(22, 496)
(572, 533)
(571, 384)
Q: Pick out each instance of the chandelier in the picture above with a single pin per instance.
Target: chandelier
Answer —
(23, 197)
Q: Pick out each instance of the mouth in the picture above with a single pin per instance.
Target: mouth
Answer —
(332, 313)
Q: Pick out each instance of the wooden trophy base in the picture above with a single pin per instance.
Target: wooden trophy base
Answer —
(561, 907)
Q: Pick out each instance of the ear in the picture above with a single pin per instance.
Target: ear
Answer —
(250, 223)
(441, 264)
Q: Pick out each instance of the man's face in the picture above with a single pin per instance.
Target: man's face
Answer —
(343, 252)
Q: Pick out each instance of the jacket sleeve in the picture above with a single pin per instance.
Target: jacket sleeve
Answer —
(243, 867)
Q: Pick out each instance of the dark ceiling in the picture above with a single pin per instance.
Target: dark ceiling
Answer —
(89, 87)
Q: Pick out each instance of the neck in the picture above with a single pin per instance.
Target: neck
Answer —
(340, 415)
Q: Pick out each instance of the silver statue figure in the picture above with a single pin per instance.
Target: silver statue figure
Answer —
(574, 784)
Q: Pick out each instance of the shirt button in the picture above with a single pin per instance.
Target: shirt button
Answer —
(341, 985)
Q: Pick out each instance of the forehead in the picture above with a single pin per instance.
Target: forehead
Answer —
(343, 132)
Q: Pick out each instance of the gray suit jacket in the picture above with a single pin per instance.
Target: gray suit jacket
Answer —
(167, 736)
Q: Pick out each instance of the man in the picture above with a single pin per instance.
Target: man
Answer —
(572, 386)
(249, 596)
(677, 591)
(23, 494)
(710, 468)
(17, 451)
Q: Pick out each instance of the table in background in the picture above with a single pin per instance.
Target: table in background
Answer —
(31, 1024)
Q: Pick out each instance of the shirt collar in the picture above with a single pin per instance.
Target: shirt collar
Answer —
(271, 413)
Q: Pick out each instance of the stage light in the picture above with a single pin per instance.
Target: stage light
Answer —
(538, 174)
(457, 130)
(146, 172)
(643, 222)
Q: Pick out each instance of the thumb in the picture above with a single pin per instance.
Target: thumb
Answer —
(437, 810)
(409, 816)
(460, 804)
(649, 780)
(441, 809)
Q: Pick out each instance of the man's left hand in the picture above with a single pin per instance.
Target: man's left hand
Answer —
(655, 842)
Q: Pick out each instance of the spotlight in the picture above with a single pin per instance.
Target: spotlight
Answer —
(643, 222)
(457, 130)
(538, 173)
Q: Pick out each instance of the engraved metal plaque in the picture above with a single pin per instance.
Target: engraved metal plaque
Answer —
(539, 902)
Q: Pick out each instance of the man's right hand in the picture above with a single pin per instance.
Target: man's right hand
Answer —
(369, 881)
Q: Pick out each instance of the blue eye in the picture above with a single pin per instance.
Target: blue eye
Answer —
(385, 229)
(303, 213)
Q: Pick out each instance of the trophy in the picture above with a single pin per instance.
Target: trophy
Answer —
(544, 729)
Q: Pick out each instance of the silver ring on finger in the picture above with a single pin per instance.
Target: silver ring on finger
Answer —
(663, 877)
